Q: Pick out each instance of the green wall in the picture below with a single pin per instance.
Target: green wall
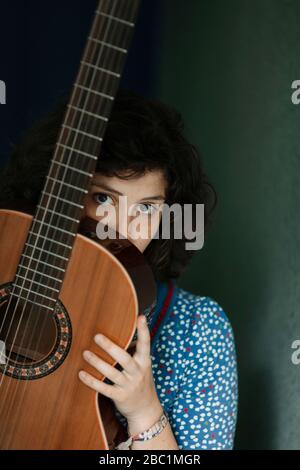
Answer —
(228, 66)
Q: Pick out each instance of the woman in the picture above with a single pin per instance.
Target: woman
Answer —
(184, 362)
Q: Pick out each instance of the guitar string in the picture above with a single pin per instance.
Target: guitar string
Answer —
(68, 163)
(86, 100)
(8, 363)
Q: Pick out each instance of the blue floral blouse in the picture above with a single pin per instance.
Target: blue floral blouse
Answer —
(194, 368)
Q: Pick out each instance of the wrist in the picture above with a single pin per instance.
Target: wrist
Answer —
(145, 419)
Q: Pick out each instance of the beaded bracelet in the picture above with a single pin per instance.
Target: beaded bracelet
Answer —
(145, 435)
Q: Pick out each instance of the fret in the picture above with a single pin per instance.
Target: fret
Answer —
(44, 262)
(81, 152)
(44, 224)
(63, 200)
(76, 170)
(40, 273)
(63, 183)
(34, 302)
(94, 107)
(112, 32)
(103, 95)
(36, 282)
(115, 18)
(82, 135)
(57, 213)
(51, 240)
(46, 251)
(97, 116)
(64, 179)
(101, 55)
(33, 292)
(88, 99)
(120, 49)
(98, 80)
(109, 72)
(100, 139)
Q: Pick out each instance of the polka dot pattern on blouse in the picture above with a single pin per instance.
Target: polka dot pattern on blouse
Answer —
(195, 372)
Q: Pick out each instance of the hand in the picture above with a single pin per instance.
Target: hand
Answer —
(133, 390)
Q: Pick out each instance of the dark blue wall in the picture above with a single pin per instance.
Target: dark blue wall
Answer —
(40, 49)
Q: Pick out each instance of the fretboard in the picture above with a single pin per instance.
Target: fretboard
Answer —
(55, 224)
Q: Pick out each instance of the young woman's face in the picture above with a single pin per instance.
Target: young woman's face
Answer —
(130, 215)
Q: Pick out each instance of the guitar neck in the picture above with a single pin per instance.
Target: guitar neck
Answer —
(57, 215)
(79, 143)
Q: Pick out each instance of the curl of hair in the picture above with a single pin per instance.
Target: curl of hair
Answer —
(141, 135)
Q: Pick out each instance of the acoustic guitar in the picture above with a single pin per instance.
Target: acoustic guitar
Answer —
(60, 284)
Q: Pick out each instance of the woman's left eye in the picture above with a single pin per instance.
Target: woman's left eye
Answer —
(146, 208)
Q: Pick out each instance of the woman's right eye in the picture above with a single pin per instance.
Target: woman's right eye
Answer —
(102, 198)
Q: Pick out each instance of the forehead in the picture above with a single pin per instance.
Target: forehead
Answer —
(148, 184)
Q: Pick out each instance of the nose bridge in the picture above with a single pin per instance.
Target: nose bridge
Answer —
(124, 216)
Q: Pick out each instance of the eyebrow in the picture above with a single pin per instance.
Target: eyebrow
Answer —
(108, 188)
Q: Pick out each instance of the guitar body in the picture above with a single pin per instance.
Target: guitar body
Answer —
(44, 405)
(59, 284)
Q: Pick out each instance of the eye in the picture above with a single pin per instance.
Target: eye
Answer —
(103, 199)
(146, 208)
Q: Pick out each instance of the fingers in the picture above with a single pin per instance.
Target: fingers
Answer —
(97, 385)
(143, 345)
(106, 369)
(117, 353)
(131, 365)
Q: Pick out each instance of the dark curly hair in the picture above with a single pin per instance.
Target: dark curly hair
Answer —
(142, 134)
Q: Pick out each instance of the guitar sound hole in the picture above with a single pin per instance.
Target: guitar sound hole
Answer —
(27, 332)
